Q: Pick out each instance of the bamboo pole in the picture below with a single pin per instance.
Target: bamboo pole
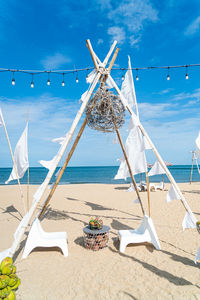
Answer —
(14, 165)
(129, 168)
(148, 194)
(192, 167)
(63, 169)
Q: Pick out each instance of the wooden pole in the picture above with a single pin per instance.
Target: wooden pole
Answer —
(63, 169)
(148, 193)
(192, 167)
(129, 168)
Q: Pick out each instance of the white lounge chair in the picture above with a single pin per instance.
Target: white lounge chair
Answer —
(145, 233)
(39, 238)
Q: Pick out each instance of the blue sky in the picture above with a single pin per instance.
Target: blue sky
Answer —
(49, 35)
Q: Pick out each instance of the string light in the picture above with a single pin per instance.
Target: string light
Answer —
(186, 75)
(32, 83)
(63, 82)
(137, 77)
(168, 77)
(13, 80)
(48, 81)
(77, 78)
(122, 77)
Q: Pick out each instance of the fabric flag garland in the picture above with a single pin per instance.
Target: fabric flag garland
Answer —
(172, 195)
(128, 88)
(189, 221)
(20, 157)
(156, 169)
(48, 163)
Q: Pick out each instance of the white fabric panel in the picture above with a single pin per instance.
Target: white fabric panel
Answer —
(147, 146)
(39, 192)
(189, 221)
(83, 96)
(20, 156)
(197, 142)
(59, 140)
(1, 118)
(131, 189)
(48, 163)
(172, 195)
(127, 88)
(57, 173)
(134, 149)
(91, 76)
(156, 169)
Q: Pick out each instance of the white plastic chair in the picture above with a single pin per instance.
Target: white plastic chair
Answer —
(39, 238)
(145, 233)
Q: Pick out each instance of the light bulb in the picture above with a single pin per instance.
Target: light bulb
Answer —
(186, 76)
(63, 83)
(32, 84)
(76, 79)
(13, 81)
(137, 77)
(168, 77)
(122, 77)
(48, 82)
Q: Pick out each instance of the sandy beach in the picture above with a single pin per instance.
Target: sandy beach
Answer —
(142, 272)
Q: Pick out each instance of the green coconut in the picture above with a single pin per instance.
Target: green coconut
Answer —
(5, 261)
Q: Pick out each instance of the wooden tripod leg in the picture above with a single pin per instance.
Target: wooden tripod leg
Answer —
(148, 193)
(129, 168)
(63, 168)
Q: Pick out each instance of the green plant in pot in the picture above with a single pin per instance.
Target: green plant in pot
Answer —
(95, 223)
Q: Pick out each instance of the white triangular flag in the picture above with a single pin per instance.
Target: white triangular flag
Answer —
(136, 201)
(20, 157)
(189, 221)
(109, 83)
(131, 188)
(83, 96)
(197, 142)
(136, 156)
(1, 118)
(156, 169)
(91, 76)
(147, 146)
(48, 163)
(197, 257)
(172, 194)
(59, 140)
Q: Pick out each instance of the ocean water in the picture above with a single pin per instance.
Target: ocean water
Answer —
(72, 175)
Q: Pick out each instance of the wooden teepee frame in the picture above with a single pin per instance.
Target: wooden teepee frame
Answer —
(102, 74)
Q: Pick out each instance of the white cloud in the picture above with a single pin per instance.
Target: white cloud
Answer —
(117, 33)
(193, 27)
(195, 95)
(100, 41)
(132, 16)
(54, 61)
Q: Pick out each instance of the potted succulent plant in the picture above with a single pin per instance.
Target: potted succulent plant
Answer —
(95, 223)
